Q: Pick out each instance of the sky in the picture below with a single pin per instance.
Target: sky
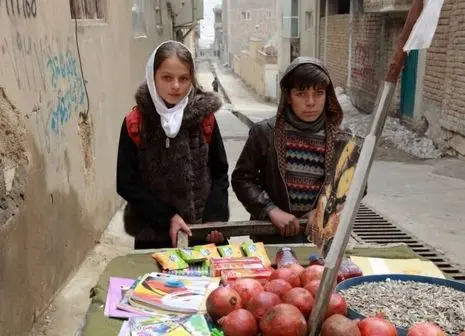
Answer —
(207, 30)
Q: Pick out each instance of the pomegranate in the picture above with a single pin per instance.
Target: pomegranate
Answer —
(297, 268)
(261, 302)
(313, 272)
(425, 329)
(300, 298)
(222, 301)
(247, 289)
(376, 326)
(338, 325)
(239, 322)
(336, 305)
(286, 274)
(278, 286)
(283, 319)
(312, 287)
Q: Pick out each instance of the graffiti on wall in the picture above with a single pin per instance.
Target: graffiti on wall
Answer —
(26, 9)
(46, 70)
(65, 80)
(363, 63)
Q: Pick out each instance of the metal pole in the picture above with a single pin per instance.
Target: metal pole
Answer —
(341, 238)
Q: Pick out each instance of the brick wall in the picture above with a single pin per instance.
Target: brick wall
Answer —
(366, 60)
(444, 81)
(372, 47)
(453, 105)
(435, 60)
(338, 47)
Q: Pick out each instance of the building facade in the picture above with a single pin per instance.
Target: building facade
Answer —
(356, 40)
(68, 73)
(243, 19)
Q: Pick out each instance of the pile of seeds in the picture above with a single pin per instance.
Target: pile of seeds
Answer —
(405, 303)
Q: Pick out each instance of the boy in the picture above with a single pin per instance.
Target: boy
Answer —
(289, 159)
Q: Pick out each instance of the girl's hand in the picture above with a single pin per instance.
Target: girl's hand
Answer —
(177, 223)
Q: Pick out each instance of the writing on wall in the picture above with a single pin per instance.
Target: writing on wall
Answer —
(363, 63)
(65, 80)
(45, 71)
(26, 9)
(26, 54)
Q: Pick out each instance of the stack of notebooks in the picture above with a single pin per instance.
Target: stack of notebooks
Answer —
(157, 300)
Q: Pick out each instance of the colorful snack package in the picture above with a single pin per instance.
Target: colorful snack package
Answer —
(191, 256)
(209, 250)
(218, 265)
(256, 250)
(230, 276)
(230, 251)
(169, 259)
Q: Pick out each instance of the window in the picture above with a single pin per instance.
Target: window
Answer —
(139, 26)
(290, 18)
(268, 14)
(246, 15)
(309, 20)
(87, 9)
(343, 7)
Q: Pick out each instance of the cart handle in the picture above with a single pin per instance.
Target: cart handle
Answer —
(231, 229)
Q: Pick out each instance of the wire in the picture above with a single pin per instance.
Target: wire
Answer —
(84, 115)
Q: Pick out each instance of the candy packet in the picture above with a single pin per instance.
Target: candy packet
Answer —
(256, 250)
(191, 256)
(209, 250)
(169, 259)
(232, 250)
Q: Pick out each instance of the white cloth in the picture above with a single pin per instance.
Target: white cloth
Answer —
(171, 118)
(423, 31)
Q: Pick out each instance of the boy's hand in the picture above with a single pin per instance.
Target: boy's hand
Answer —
(287, 224)
(215, 237)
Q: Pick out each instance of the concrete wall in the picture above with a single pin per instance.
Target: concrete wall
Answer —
(262, 13)
(337, 47)
(57, 170)
(309, 29)
(257, 69)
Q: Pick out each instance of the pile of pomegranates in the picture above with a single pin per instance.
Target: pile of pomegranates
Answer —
(282, 306)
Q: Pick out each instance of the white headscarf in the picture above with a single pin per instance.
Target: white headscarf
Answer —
(171, 118)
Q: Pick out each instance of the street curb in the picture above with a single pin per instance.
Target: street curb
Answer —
(243, 118)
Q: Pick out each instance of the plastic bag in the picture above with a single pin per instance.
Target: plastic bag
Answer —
(423, 31)
(348, 270)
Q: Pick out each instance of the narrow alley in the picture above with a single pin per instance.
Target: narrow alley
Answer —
(400, 191)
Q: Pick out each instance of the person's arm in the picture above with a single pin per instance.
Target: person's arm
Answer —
(130, 187)
(246, 177)
(217, 207)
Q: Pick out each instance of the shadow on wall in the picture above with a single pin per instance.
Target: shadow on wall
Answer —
(44, 234)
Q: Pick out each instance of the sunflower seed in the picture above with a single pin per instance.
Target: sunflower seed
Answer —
(405, 303)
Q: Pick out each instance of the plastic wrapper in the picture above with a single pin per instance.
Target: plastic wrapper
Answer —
(232, 250)
(256, 250)
(191, 256)
(209, 250)
(169, 259)
(222, 264)
(348, 270)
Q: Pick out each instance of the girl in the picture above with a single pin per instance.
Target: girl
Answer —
(172, 167)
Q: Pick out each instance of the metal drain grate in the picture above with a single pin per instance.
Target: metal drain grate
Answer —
(371, 228)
